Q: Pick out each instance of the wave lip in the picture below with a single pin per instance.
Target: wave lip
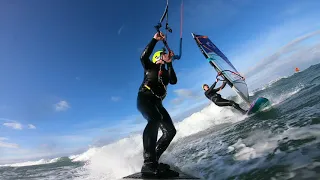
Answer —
(32, 163)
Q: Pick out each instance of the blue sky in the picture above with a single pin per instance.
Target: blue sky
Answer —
(70, 70)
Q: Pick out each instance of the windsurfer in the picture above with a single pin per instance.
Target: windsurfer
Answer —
(212, 94)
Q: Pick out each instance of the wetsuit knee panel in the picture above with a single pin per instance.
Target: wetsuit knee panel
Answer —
(169, 133)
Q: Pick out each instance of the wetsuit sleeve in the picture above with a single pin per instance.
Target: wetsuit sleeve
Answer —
(172, 75)
(211, 89)
(212, 86)
(145, 61)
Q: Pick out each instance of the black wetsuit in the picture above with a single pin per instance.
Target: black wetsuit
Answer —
(212, 94)
(149, 103)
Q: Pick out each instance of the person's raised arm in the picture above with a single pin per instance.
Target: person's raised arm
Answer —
(145, 61)
(222, 86)
(211, 88)
(172, 75)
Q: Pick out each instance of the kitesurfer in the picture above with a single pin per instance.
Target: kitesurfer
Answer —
(215, 97)
(158, 73)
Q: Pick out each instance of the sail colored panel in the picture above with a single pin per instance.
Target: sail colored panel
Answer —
(222, 64)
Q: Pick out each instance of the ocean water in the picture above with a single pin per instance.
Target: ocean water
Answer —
(282, 142)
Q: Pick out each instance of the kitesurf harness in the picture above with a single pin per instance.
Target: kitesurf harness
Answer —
(159, 80)
(168, 29)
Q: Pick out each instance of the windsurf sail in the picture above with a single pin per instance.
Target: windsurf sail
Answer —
(221, 64)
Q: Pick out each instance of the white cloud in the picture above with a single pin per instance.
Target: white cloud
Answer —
(248, 53)
(32, 156)
(120, 29)
(115, 98)
(283, 49)
(7, 145)
(177, 101)
(290, 47)
(31, 126)
(271, 40)
(62, 106)
(187, 93)
(182, 94)
(13, 125)
(283, 62)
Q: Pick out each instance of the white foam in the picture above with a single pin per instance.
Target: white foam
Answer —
(251, 152)
(84, 156)
(262, 142)
(208, 117)
(125, 156)
(286, 95)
